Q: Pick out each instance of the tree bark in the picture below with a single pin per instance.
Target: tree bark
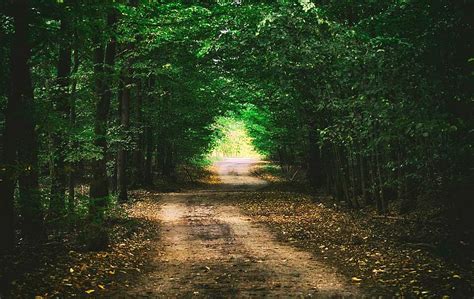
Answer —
(166, 159)
(20, 117)
(72, 122)
(148, 176)
(18, 61)
(99, 190)
(314, 158)
(362, 181)
(122, 180)
(149, 144)
(382, 205)
(58, 179)
(138, 153)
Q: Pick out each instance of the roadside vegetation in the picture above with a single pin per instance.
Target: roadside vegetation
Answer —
(366, 103)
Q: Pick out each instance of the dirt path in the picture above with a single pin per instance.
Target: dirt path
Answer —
(210, 249)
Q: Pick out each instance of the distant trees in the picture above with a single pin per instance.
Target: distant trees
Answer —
(233, 139)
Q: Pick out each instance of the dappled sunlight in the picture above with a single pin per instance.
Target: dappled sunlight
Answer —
(171, 212)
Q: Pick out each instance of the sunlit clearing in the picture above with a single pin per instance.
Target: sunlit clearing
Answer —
(233, 140)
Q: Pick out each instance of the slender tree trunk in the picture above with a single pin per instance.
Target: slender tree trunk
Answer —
(148, 178)
(99, 185)
(400, 180)
(138, 159)
(330, 171)
(314, 159)
(362, 180)
(352, 177)
(122, 180)
(343, 176)
(149, 144)
(382, 203)
(72, 122)
(166, 157)
(158, 160)
(339, 191)
(372, 171)
(115, 176)
(58, 178)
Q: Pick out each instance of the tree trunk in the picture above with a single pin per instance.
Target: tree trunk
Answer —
(314, 159)
(363, 189)
(338, 186)
(343, 175)
(166, 159)
(72, 122)
(352, 177)
(148, 177)
(18, 72)
(103, 69)
(122, 180)
(20, 117)
(58, 178)
(382, 208)
(138, 159)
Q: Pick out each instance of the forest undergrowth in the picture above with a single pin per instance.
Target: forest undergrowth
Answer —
(64, 266)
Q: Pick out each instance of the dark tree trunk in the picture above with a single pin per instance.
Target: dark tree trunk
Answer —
(8, 176)
(58, 179)
(19, 57)
(167, 163)
(314, 159)
(383, 203)
(138, 153)
(30, 197)
(122, 180)
(20, 117)
(363, 189)
(148, 175)
(72, 121)
(149, 144)
(99, 190)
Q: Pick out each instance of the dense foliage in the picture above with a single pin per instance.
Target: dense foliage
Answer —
(375, 99)
(372, 98)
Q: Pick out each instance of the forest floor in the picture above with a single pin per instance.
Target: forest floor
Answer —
(245, 234)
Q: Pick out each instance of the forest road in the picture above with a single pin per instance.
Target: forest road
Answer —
(208, 248)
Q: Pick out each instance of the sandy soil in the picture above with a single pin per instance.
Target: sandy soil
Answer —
(209, 248)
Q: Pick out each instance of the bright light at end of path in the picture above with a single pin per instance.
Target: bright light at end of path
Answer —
(233, 140)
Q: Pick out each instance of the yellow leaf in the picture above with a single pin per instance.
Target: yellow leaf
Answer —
(71, 270)
(456, 276)
(101, 287)
(39, 297)
(90, 291)
(356, 279)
